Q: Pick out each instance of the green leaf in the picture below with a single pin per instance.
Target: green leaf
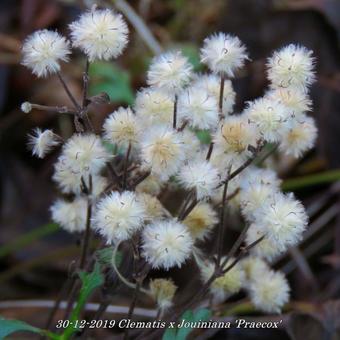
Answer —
(311, 180)
(203, 136)
(104, 256)
(202, 314)
(109, 78)
(90, 281)
(28, 238)
(170, 334)
(8, 327)
(192, 53)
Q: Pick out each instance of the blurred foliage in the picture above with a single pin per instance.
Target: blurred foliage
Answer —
(202, 314)
(111, 79)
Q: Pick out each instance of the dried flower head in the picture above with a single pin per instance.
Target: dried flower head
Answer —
(199, 108)
(170, 72)
(300, 137)
(70, 215)
(270, 292)
(100, 34)
(223, 53)
(269, 116)
(201, 176)
(283, 219)
(291, 66)
(162, 150)
(234, 137)
(118, 216)
(43, 50)
(166, 244)
(211, 84)
(230, 283)
(201, 220)
(163, 291)
(26, 107)
(154, 106)
(84, 155)
(121, 127)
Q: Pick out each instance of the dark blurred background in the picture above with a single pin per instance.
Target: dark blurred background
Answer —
(34, 253)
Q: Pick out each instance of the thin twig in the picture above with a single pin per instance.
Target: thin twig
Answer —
(174, 124)
(139, 25)
(68, 92)
(126, 163)
(221, 230)
(58, 109)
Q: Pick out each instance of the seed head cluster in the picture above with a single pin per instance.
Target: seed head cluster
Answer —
(154, 149)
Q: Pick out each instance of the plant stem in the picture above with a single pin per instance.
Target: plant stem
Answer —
(68, 92)
(58, 109)
(220, 102)
(133, 306)
(85, 83)
(210, 150)
(221, 229)
(175, 112)
(126, 163)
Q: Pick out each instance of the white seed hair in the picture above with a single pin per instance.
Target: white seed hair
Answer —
(223, 53)
(166, 244)
(42, 142)
(43, 51)
(100, 34)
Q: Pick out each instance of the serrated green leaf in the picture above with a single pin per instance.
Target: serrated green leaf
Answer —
(109, 78)
(90, 281)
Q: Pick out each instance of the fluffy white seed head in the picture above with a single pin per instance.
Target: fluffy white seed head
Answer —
(100, 34)
(121, 127)
(283, 219)
(43, 51)
(162, 150)
(70, 215)
(254, 175)
(269, 116)
(211, 84)
(153, 207)
(270, 292)
(163, 291)
(170, 71)
(166, 244)
(254, 268)
(295, 100)
(201, 176)
(201, 221)
(226, 285)
(151, 185)
(223, 53)
(42, 142)
(26, 107)
(300, 137)
(199, 108)
(234, 137)
(118, 216)
(265, 249)
(291, 66)
(154, 106)
(84, 155)
(191, 144)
